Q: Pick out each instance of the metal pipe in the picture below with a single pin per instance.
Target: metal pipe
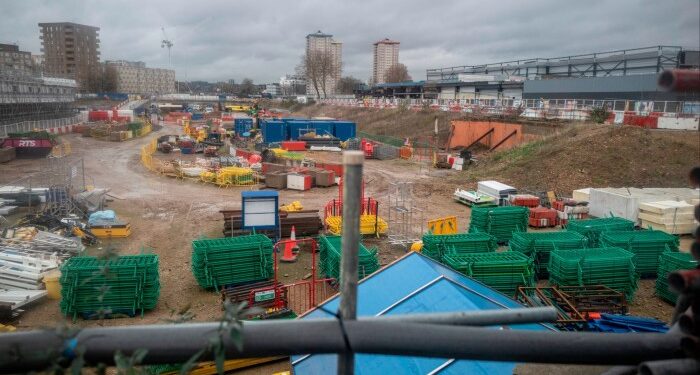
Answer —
(684, 366)
(35, 350)
(477, 318)
(352, 201)
(680, 80)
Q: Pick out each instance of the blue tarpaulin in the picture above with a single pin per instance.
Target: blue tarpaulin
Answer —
(414, 284)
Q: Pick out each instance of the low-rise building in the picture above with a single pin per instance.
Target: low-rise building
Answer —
(133, 77)
(12, 58)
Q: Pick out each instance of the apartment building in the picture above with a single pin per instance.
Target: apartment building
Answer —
(12, 58)
(324, 43)
(70, 50)
(133, 77)
(386, 54)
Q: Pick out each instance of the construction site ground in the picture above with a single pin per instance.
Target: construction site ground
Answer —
(166, 214)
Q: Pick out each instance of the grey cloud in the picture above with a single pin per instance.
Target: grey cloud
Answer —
(218, 40)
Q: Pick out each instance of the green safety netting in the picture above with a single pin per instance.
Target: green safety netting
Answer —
(609, 266)
(647, 246)
(669, 262)
(124, 285)
(218, 262)
(592, 228)
(436, 246)
(499, 222)
(504, 271)
(539, 245)
(330, 249)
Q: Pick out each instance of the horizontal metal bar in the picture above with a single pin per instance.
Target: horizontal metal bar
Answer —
(35, 350)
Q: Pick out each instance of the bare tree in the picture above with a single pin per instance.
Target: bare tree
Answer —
(347, 85)
(320, 68)
(397, 73)
(247, 87)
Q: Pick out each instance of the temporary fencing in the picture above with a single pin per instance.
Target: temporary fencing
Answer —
(592, 228)
(539, 245)
(436, 246)
(610, 266)
(499, 222)
(504, 271)
(219, 262)
(646, 245)
(669, 262)
(125, 285)
(330, 250)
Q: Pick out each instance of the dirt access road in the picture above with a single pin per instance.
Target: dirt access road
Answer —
(167, 214)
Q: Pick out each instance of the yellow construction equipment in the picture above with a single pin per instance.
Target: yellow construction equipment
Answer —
(209, 368)
(417, 246)
(443, 225)
(292, 207)
(117, 230)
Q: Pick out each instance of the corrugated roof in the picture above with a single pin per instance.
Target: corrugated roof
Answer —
(414, 284)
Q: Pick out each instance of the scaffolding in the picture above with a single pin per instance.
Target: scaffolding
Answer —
(405, 219)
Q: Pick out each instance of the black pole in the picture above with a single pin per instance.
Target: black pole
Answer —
(25, 351)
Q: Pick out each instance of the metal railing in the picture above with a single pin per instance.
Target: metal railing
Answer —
(575, 109)
(26, 126)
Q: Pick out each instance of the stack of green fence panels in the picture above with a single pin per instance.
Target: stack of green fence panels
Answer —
(592, 228)
(330, 250)
(436, 246)
(124, 285)
(499, 222)
(504, 271)
(669, 262)
(539, 245)
(647, 246)
(218, 262)
(610, 266)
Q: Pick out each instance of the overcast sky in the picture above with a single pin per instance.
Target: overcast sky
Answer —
(263, 40)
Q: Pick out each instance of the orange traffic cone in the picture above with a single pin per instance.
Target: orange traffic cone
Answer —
(289, 254)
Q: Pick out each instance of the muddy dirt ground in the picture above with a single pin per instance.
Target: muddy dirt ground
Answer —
(167, 214)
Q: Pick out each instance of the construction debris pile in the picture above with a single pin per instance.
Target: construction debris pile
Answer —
(669, 262)
(646, 245)
(611, 266)
(504, 271)
(330, 251)
(218, 262)
(97, 288)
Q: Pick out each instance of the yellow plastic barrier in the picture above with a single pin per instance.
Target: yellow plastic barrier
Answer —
(292, 207)
(369, 224)
(443, 225)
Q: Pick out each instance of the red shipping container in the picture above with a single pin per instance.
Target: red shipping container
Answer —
(293, 145)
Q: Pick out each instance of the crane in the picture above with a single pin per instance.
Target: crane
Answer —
(166, 42)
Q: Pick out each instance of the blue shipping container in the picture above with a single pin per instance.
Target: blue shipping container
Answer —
(242, 125)
(344, 130)
(197, 116)
(323, 127)
(274, 131)
(298, 128)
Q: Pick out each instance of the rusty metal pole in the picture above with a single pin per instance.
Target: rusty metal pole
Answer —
(352, 200)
